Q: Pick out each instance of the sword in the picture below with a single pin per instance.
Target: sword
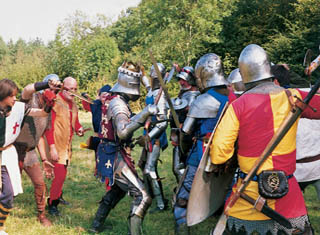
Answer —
(79, 96)
(75, 94)
(261, 205)
(168, 78)
(165, 90)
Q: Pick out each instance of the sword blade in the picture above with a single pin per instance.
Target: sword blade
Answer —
(80, 97)
(266, 210)
(221, 225)
(165, 90)
(170, 75)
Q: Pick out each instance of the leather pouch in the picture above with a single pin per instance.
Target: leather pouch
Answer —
(273, 184)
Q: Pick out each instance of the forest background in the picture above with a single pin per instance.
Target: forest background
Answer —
(177, 31)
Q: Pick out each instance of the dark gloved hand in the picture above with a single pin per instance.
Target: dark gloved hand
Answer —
(85, 95)
(142, 140)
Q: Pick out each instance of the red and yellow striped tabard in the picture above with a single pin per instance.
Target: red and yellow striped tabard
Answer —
(254, 118)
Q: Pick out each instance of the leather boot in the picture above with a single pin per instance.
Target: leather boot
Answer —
(62, 201)
(43, 219)
(36, 176)
(53, 207)
(100, 217)
(108, 201)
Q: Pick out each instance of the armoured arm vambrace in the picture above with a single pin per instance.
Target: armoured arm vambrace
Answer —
(118, 110)
(159, 128)
(185, 139)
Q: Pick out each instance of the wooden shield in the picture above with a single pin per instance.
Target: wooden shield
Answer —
(207, 193)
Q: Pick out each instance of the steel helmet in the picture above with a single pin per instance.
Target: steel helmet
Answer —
(187, 74)
(254, 64)
(209, 69)
(128, 82)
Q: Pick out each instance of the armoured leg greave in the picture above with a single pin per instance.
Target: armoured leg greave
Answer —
(178, 167)
(142, 201)
(135, 225)
(150, 171)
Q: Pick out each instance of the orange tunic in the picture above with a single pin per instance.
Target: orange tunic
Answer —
(64, 122)
(253, 119)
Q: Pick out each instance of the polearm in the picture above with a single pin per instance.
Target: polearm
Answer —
(273, 143)
(165, 90)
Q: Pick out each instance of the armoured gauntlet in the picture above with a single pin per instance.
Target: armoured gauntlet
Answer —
(127, 128)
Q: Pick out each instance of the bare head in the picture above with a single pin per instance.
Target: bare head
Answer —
(69, 84)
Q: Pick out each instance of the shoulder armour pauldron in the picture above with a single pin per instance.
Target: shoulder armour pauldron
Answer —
(204, 106)
(117, 106)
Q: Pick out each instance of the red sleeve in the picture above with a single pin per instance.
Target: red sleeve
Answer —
(314, 103)
(231, 96)
(49, 132)
(86, 106)
(77, 124)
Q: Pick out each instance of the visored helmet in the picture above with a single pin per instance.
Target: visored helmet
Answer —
(187, 74)
(209, 69)
(254, 64)
(128, 82)
(155, 83)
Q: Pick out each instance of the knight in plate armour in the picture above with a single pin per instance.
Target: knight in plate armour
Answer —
(195, 132)
(154, 140)
(188, 93)
(114, 159)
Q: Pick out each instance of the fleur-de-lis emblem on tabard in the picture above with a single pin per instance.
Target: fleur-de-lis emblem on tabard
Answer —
(108, 164)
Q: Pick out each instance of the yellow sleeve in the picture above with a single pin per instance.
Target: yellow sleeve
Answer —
(222, 146)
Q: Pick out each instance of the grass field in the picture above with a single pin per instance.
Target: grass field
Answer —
(84, 192)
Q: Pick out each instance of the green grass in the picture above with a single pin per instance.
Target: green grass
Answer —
(84, 192)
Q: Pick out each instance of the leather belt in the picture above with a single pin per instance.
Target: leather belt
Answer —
(108, 142)
(243, 175)
(6, 147)
(309, 159)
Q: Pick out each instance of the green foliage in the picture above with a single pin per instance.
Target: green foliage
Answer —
(172, 29)
(84, 51)
(3, 48)
(24, 62)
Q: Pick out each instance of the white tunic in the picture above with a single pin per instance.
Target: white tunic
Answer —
(10, 156)
(308, 139)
